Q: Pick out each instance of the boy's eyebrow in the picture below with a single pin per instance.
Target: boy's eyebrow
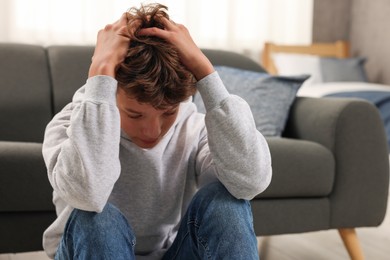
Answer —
(137, 112)
(132, 111)
(172, 108)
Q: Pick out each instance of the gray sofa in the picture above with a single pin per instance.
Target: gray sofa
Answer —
(331, 167)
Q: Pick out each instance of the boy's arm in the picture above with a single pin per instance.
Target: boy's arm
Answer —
(240, 156)
(239, 153)
(81, 146)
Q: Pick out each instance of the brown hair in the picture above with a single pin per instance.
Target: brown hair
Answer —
(152, 72)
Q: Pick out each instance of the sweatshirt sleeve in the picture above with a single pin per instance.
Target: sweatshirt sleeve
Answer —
(81, 146)
(239, 152)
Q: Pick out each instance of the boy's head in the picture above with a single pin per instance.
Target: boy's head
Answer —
(152, 81)
(152, 72)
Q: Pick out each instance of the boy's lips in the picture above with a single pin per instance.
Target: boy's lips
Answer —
(151, 141)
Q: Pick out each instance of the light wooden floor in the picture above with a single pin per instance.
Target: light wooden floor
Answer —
(323, 245)
(327, 245)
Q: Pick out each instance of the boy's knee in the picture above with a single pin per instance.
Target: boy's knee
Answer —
(109, 212)
(213, 190)
(215, 199)
(110, 219)
(105, 235)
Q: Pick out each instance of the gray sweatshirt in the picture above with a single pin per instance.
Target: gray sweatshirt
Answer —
(90, 161)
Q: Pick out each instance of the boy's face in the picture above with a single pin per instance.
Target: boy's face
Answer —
(144, 124)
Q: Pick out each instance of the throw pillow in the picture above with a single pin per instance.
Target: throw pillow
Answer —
(296, 64)
(269, 97)
(321, 69)
(349, 69)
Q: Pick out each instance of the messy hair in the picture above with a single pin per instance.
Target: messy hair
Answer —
(152, 71)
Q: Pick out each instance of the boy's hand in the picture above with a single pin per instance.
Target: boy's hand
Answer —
(111, 48)
(178, 35)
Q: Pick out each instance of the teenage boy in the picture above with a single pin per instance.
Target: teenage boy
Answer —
(137, 173)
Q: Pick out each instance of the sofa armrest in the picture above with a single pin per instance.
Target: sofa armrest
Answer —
(353, 130)
(23, 178)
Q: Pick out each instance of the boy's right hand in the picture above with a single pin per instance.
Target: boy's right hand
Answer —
(111, 48)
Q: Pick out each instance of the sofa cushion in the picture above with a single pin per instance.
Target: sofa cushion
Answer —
(232, 59)
(269, 97)
(22, 231)
(300, 169)
(69, 67)
(25, 99)
(23, 178)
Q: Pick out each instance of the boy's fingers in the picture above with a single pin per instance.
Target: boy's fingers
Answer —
(168, 24)
(153, 31)
(122, 19)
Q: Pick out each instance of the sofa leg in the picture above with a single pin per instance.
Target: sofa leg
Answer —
(351, 242)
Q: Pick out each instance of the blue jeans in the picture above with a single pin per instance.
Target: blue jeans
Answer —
(215, 226)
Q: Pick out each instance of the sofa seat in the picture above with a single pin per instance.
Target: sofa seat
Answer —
(330, 167)
(22, 189)
(294, 160)
(26, 207)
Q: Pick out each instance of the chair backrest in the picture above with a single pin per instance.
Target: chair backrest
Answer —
(338, 49)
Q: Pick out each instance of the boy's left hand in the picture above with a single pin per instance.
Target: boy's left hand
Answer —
(190, 54)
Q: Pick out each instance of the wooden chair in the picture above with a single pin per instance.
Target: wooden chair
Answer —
(338, 49)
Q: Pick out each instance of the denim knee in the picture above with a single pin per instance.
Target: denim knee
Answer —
(220, 226)
(111, 218)
(108, 232)
(214, 200)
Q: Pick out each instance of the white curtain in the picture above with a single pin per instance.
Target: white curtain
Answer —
(238, 25)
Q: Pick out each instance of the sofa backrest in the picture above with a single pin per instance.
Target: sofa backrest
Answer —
(231, 59)
(69, 71)
(36, 82)
(25, 107)
(69, 68)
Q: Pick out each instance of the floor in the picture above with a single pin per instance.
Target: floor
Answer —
(323, 245)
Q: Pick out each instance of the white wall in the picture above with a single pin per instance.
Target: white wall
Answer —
(365, 24)
(238, 25)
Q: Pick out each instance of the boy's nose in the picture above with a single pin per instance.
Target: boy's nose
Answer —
(152, 129)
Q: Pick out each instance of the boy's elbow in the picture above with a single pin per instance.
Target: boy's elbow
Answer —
(263, 181)
(258, 184)
(250, 187)
(96, 202)
(87, 201)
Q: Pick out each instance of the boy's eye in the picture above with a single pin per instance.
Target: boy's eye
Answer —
(170, 113)
(134, 116)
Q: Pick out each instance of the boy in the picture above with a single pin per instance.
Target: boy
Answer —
(137, 173)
